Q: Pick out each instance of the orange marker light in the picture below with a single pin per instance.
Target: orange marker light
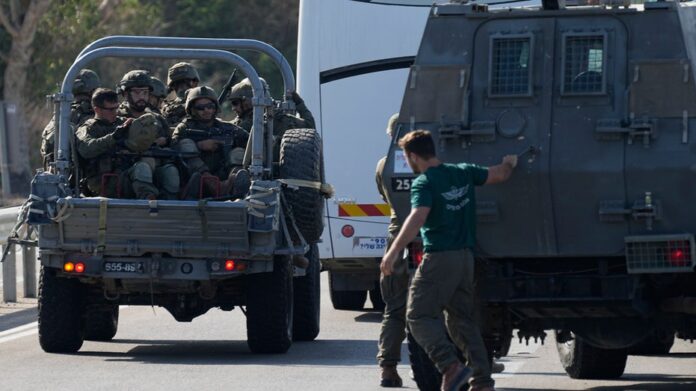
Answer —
(229, 265)
(69, 267)
(80, 267)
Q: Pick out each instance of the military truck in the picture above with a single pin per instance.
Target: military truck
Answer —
(592, 237)
(257, 253)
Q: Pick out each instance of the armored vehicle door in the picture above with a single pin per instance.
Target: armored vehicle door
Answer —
(586, 153)
(509, 113)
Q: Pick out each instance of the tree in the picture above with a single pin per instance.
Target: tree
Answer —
(20, 19)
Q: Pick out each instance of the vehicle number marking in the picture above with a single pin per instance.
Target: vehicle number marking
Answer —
(123, 267)
(372, 246)
(402, 184)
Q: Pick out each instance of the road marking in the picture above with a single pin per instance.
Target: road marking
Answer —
(19, 332)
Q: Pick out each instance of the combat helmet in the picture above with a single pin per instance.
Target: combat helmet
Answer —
(200, 92)
(243, 89)
(142, 132)
(181, 71)
(158, 88)
(86, 82)
(136, 78)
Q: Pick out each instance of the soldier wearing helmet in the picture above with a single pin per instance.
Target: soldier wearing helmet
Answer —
(181, 77)
(158, 94)
(240, 97)
(80, 110)
(220, 146)
(155, 177)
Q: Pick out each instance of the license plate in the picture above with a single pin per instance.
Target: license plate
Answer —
(123, 267)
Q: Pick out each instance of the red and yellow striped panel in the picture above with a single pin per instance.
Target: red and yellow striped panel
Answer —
(363, 210)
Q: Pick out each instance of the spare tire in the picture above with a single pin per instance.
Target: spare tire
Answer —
(301, 158)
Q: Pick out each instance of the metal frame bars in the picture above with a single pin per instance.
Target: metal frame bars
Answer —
(201, 43)
(260, 101)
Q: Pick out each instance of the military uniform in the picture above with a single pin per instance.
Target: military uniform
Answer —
(174, 111)
(97, 146)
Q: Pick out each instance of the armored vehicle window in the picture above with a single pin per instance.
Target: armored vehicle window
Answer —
(583, 64)
(510, 66)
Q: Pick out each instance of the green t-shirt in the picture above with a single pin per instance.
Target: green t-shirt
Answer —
(448, 190)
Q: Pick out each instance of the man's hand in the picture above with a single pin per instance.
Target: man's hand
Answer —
(207, 145)
(161, 141)
(511, 160)
(503, 171)
(388, 261)
(121, 131)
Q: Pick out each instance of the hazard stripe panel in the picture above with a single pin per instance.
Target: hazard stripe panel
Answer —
(363, 210)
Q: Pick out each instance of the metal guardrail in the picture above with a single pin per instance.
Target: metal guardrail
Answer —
(8, 219)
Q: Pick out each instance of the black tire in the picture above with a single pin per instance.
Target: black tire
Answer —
(425, 374)
(346, 300)
(269, 309)
(101, 323)
(301, 158)
(584, 361)
(61, 310)
(307, 304)
(376, 298)
(657, 343)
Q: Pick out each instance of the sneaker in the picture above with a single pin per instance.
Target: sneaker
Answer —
(390, 377)
(497, 367)
(455, 377)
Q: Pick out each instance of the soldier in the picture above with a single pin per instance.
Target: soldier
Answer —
(135, 88)
(97, 141)
(180, 78)
(240, 98)
(159, 92)
(220, 144)
(80, 110)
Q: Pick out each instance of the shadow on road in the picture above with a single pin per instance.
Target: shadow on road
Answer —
(324, 353)
(648, 382)
(369, 317)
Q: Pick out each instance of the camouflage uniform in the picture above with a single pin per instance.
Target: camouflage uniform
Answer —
(97, 146)
(174, 111)
(219, 162)
(159, 90)
(80, 111)
(150, 176)
(281, 122)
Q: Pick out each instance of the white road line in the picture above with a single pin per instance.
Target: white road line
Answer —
(19, 332)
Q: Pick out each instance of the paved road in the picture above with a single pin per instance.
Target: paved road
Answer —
(152, 352)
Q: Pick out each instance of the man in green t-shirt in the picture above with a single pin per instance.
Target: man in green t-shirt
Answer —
(443, 208)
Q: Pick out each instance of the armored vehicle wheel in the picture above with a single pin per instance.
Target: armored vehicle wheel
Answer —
(376, 298)
(426, 375)
(269, 309)
(300, 158)
(346, 300)
(307, 290)
(584, 361)
(101, 323)
(657, 343)
(61, 310)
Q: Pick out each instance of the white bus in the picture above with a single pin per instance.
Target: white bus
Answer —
(353, 61)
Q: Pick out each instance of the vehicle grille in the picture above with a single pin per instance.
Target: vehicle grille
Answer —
(660, 253)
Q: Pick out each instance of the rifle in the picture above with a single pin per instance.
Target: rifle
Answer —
(226, 139)
(226, 87)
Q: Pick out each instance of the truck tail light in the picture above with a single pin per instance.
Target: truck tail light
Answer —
(79, 267)
(230, 265)
(69, 267)
(415, 251)
(74, 267)
(348, 231)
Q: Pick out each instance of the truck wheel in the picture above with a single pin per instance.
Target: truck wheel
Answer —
(657, 343)
(346, 300)
(101, 323)
(307, 290)
(584, 361)
(376, 298)
(61, 310)
(269, 309)
(426, 375)
(301, 158)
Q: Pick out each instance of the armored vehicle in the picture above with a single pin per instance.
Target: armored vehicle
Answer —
(593, 236)
(257, 252)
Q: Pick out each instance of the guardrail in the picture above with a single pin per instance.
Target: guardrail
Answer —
(8, 219)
